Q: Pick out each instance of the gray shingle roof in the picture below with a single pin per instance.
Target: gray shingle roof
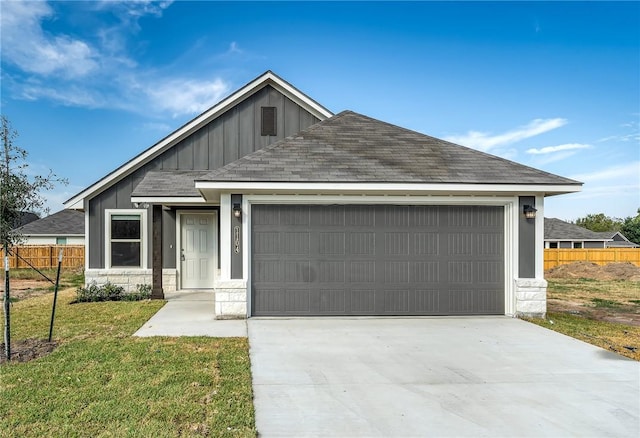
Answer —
(169, 183)
(555, 229)
(350, 147)
(64, 222)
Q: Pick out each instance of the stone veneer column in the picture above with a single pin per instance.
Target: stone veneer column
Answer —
(531, 297)
(231, 299)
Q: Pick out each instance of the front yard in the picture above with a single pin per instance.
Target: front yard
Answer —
(102, 382)
(605, 313)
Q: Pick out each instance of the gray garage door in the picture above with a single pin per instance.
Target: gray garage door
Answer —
(376, 260)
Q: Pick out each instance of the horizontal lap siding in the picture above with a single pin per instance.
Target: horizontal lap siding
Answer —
(377, 260)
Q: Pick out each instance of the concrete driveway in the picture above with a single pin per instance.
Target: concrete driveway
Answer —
(486, 376)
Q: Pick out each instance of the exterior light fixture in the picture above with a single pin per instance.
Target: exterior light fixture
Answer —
(142, 205)
(237, 211)
(529, 212)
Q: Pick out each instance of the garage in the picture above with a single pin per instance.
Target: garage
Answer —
(333, 260)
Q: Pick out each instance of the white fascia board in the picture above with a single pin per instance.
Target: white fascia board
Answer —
(168, 200)
(391, 188)
(268, 78)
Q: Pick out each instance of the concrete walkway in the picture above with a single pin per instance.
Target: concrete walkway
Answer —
(191, 314)
(410, 377)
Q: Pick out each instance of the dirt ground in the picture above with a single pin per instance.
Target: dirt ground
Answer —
(606, 293)
(26, 349)
(611, 271)
(21, 289)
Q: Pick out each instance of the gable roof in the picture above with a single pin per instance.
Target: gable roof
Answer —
(266, 79)
(62, 223)
(353, 148)
(556, 229)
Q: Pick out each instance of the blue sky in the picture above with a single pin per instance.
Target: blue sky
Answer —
(553, 85)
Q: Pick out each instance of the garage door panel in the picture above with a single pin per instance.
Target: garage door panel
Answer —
(267, 243)
(292, 243)
(332, 301)
(267, 271)
(363, 301)
(332, 271)
(288, 301)
(396, 272)
(331, 243)
(424, 272)
(362, 243)
(377, 260)
(396, 301)
(362, 271)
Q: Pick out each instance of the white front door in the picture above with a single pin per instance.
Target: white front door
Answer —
(197, 250)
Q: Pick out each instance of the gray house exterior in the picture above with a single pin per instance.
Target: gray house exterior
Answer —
(278, 207)
(65, 227)
(565, 235)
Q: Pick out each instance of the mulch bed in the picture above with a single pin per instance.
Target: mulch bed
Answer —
(27, 349)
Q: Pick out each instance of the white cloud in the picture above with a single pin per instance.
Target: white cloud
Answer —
(75, 72)
(183, 96)
(622, 172)
(26, 45)
(485, 141)
(558, 148)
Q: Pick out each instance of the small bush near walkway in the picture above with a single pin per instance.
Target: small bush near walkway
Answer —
(93, 293)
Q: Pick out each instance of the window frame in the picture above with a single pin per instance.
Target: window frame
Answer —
(144, 238)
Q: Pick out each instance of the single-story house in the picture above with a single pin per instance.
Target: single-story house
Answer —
(65, 227)
(561, 234)
(281, 208)
(615, 239)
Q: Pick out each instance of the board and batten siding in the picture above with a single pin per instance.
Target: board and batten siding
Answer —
(230, 136)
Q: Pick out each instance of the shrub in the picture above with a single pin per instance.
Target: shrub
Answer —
(142, 292)
(111, 292)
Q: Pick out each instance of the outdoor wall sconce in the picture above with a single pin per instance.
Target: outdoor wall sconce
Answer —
(529, 212)
(143, 205)
(237, 211)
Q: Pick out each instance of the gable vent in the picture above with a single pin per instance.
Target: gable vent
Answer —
(269, 125)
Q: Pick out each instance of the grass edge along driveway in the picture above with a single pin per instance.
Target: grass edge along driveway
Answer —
(101, 382)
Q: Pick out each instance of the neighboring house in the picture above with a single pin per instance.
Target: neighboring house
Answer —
(281, 208)
(615, 239)
(24, 218)
(65, 227)
(561, 234)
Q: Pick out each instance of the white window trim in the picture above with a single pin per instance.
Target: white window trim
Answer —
(144, 239)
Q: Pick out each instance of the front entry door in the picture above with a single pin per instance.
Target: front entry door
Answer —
(197, 250)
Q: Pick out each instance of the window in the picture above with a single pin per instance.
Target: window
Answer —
(61, 240)
(577, 245)
(269, 125)
(125, 236)
(553, 244)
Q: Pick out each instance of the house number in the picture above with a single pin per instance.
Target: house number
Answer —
(236, 239)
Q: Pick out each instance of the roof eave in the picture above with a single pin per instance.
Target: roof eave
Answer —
(212, 189)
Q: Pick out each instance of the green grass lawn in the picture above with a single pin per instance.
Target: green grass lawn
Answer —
(101, 382)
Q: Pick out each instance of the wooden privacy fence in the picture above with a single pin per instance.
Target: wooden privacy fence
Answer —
(45, 256)
(554, 257)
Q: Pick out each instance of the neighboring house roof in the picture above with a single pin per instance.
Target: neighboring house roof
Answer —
(62, 223)
(617, 240)
(24, 218)
(266, 79)
(351, 147)
(556, 229)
